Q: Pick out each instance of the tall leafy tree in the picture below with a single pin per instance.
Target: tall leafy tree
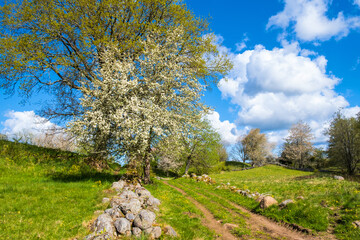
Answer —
(255, 147)
(128, 61)
(298, 146)
(137, 102)
(344, 142)
(57, 45)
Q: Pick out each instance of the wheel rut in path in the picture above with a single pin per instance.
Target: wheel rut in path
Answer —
(260, 223)
(209, 220)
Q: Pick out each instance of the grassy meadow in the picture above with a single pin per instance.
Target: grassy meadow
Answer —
(51, 194)
(46, 193)
(328, 204)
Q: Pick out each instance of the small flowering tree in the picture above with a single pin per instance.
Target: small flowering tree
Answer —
(142, 98)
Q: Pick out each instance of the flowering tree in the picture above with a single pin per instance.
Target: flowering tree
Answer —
(255, 147)
(298, 146)
(140, 99)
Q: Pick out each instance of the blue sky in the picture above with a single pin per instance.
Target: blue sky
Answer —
(293, 60)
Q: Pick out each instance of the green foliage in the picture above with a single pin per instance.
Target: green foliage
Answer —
(197, 149)
(47, 193)
(344, 143)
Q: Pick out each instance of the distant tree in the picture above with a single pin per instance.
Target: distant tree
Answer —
(256, 147)
(222, 153)
(238, 151)
(319, 158)
(55, 137)
(344, 142)
(202, 148)
(3, 137)
(298, 147)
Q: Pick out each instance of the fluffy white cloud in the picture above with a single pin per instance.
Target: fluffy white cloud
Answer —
(357, 2)
(277, 88)
(309, 21)
(226, 129)
(25, 122)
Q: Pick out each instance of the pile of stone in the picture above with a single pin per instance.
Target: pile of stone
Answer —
(132, 213)
(203, 178)
(265, 200)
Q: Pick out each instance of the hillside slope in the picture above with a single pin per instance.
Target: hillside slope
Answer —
(47, 193)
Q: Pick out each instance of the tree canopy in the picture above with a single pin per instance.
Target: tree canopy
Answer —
(253, 147)
(344, 142)
(298, 147)
(127, 73)
(57, 45)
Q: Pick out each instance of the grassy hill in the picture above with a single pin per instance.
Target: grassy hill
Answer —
(47, 193)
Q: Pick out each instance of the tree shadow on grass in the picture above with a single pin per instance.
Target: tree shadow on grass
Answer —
(84, 177)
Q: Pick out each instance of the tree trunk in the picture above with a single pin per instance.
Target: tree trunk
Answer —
(147, 170)
(147, 166)
(187, 165)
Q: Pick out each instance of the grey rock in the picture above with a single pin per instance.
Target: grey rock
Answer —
(286, 202)
(157, 232)
(104, 236)
(130, 217)
(115, 201)
(136, 231)
(105, 200)
(122, 226)
(168, 230)
(267, 202)
(151, 201)
(130, 206)
(142, 192)
(104, 223)
(148, 230)
(127, 194)
(118, 186)
(154, 232)
(114, 212)
(339, 178)
(144, 219)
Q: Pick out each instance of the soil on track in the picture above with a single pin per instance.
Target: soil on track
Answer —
(209, 220)
(255, 222)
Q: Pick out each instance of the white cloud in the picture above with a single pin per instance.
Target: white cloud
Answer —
(226, 129)
(277, 88)
(357, 2)
(242, 45)
(25, 122)
(308, 19)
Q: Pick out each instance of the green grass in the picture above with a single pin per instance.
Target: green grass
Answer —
(235, 166)
(46, 193)
(219, 208)
(328, 202)
(177, 211)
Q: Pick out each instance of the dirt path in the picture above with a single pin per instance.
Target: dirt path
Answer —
(209, 220)
(256, 223)
(260, 223)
